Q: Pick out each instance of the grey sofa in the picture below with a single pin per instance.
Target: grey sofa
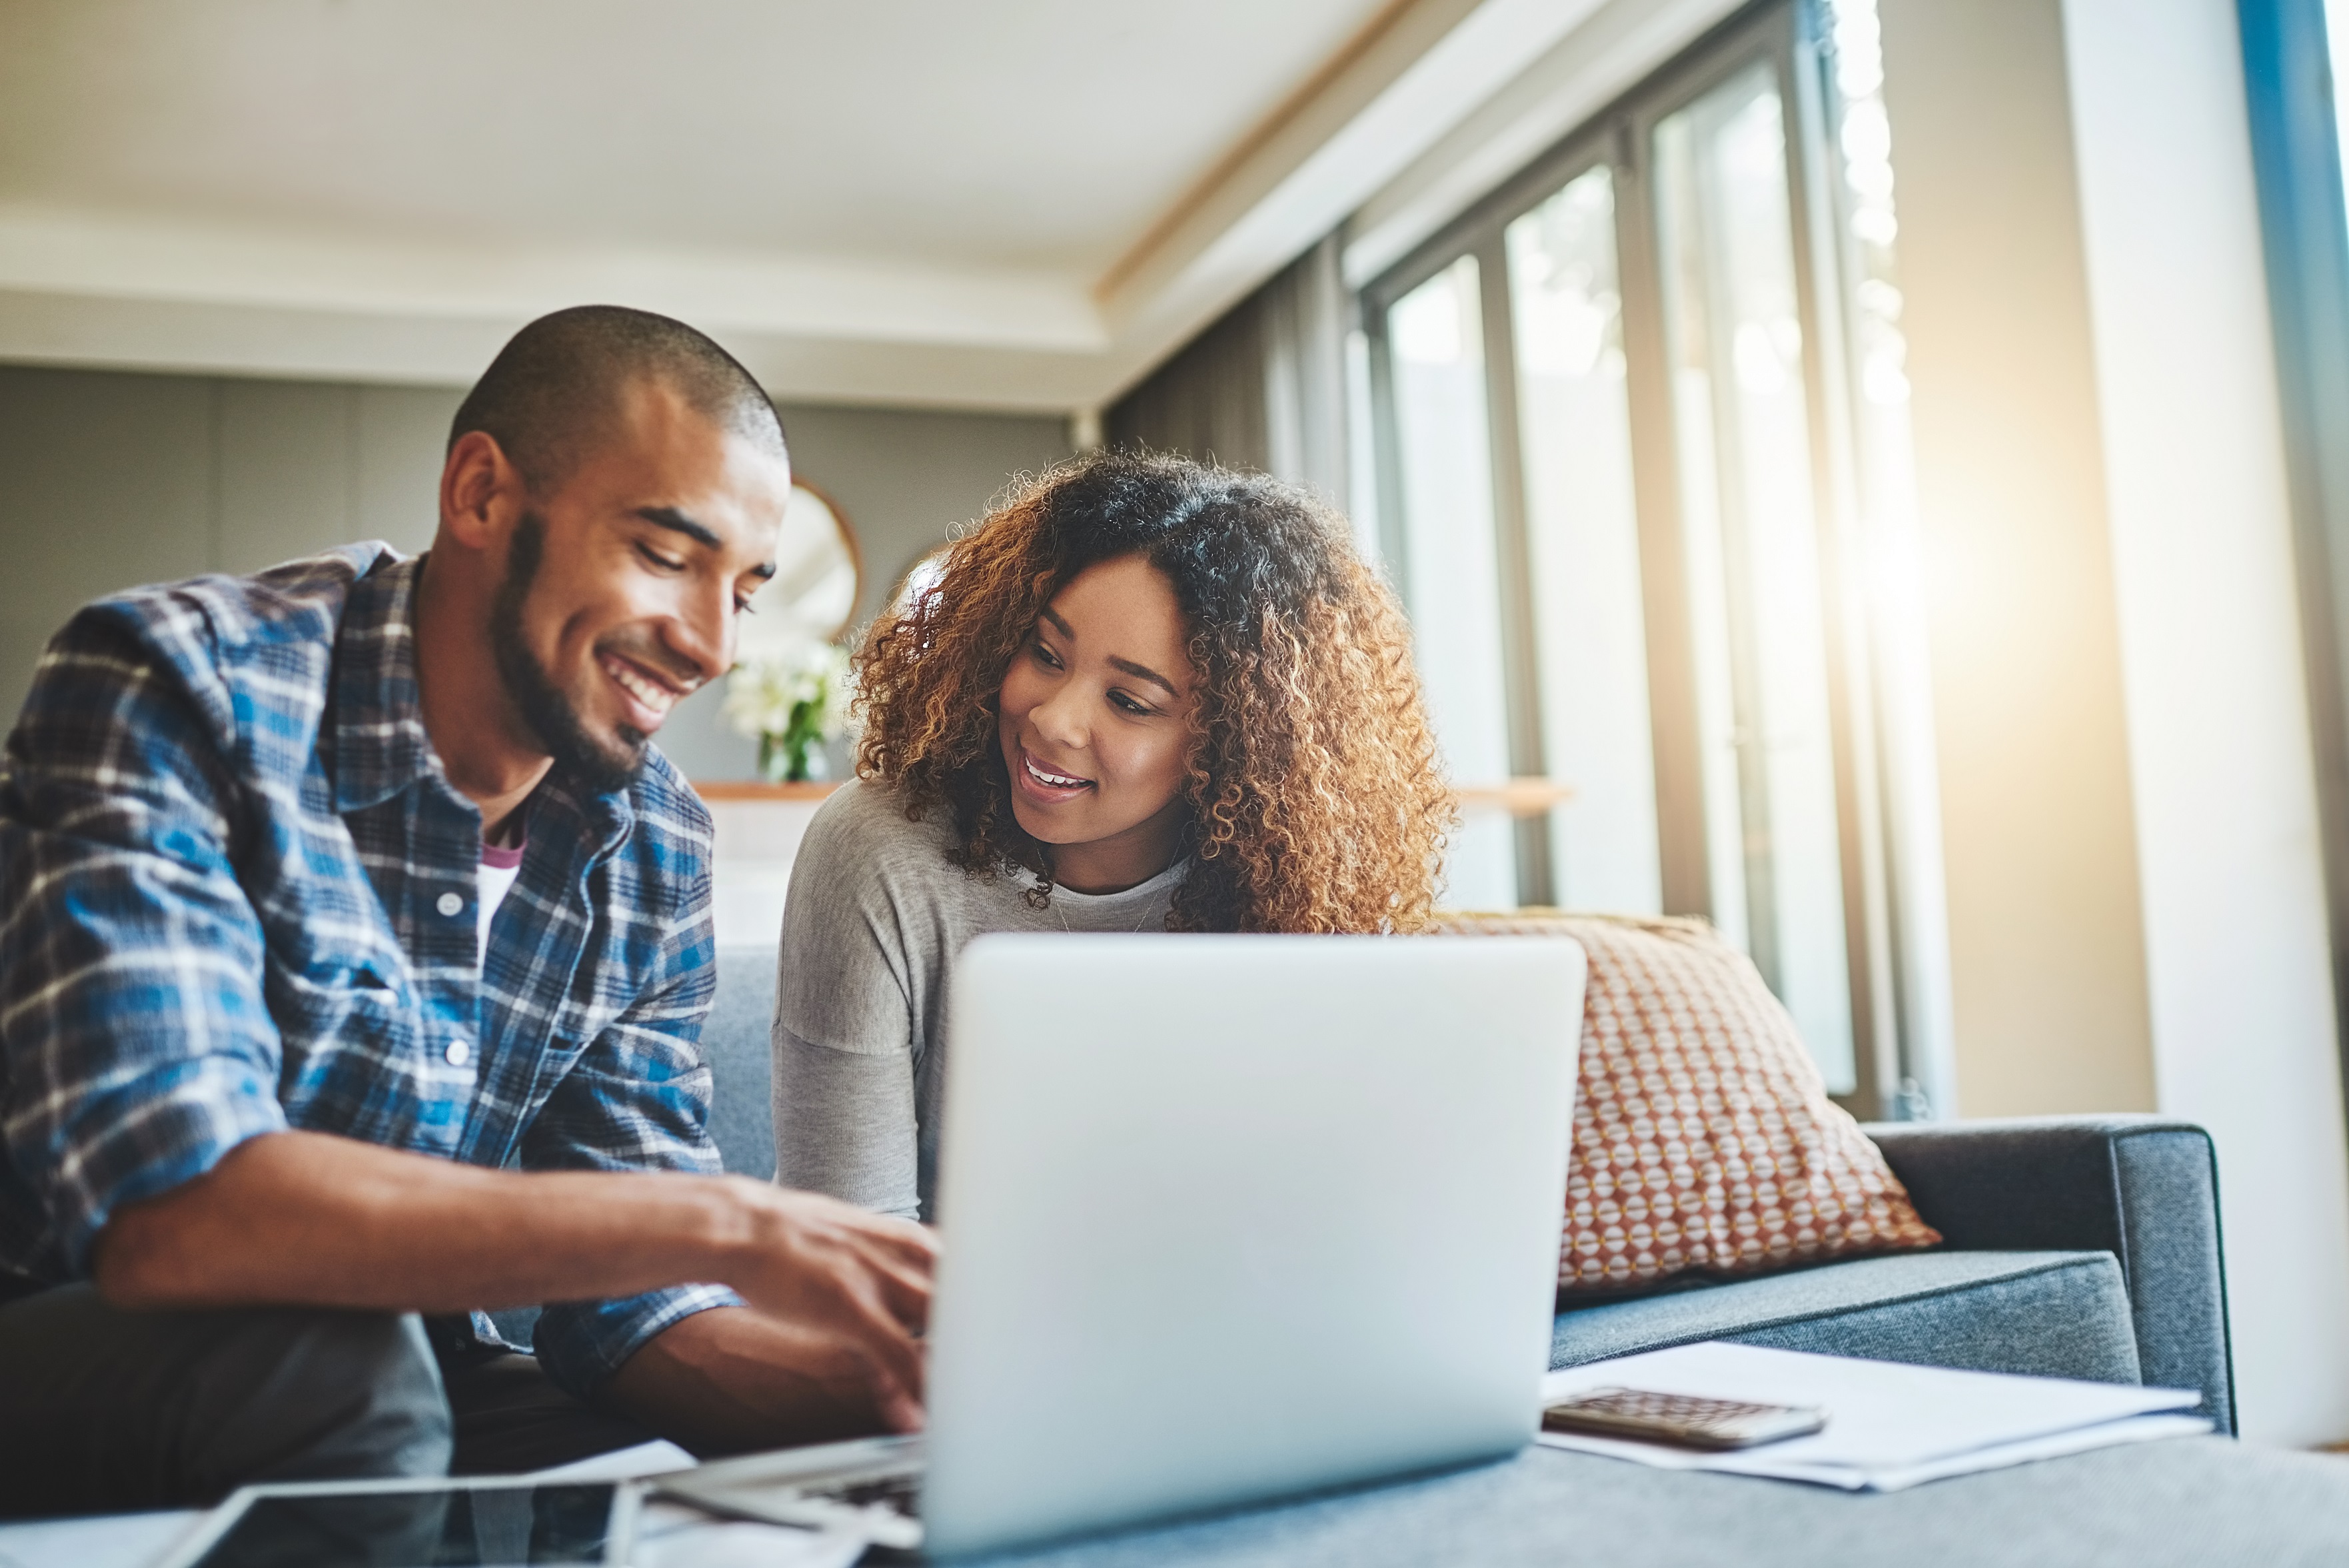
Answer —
(2076, 1246)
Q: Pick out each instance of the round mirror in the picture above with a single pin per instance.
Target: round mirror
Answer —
(921, 579)
(819, 570)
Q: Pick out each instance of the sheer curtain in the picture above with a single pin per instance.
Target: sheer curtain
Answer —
(1264, 387)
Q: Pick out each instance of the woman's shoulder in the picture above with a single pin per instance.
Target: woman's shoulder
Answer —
(864, 823)
(865, 866)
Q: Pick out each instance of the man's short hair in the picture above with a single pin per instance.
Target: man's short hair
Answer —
(556, 386)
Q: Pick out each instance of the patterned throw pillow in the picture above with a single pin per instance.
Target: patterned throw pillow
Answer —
(1703, 1136)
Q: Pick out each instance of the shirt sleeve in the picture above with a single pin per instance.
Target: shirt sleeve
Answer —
(844, 1033)
(636, 1100)
(137, 1047)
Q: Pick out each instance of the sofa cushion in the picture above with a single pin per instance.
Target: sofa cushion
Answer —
(1704, 1136)
(735, 1042)
(2053, 1314)
(2142, 1188)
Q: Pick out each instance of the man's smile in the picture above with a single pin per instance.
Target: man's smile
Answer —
(650, 694)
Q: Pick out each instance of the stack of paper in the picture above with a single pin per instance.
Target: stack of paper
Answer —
(1889, 1425)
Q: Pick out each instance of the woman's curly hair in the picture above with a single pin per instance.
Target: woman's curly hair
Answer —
(1317, 803)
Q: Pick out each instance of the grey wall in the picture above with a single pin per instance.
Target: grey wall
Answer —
(110, 479)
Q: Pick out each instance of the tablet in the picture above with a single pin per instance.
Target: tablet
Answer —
(418, 1522)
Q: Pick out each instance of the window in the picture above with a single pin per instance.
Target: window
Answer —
(1641, 429)
(2293, 54)
(1582, 544)
(1435, 339)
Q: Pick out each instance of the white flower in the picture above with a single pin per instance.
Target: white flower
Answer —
(760, 694)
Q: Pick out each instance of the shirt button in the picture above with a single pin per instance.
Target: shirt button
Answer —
(459, 1053)
(449, 904)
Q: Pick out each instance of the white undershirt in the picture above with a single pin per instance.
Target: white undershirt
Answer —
(496, 882)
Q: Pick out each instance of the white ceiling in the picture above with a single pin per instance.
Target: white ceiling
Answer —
(1019, 203)
(1047, 134)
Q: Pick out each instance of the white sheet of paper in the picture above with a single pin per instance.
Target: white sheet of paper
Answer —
(659, 1457)
(672, 1535)
(1845, 1477)
(1889, 1425)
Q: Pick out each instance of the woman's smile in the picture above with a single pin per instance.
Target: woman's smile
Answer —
(1048, 786)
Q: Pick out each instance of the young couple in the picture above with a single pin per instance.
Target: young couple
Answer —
(355, 941)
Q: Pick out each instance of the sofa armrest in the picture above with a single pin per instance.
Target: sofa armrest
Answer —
(2142, 1188)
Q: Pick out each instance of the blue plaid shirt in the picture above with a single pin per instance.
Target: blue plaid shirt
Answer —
(241, 895)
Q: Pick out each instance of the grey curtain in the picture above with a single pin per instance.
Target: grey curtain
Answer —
(1264, 387)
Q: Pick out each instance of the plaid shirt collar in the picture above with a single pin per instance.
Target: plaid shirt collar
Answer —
(380, 746)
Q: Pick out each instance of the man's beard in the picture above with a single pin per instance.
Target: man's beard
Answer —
(604, 768)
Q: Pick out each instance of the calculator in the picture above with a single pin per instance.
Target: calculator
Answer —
(1688, 1421)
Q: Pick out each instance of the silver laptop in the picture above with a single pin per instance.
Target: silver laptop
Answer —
(1227, 1219)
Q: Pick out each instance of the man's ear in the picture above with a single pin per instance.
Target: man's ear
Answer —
(481, 490)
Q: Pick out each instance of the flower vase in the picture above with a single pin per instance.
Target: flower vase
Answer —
(793, 758)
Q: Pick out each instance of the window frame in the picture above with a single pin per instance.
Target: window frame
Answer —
(1789, 39)
(2296, 157)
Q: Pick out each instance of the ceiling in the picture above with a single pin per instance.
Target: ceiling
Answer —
(1044, 135)
(1022, 203)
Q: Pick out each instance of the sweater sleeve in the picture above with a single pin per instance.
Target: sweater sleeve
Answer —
(844, 1029)
(844, 1125)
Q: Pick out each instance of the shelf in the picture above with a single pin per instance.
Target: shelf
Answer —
(1517, 796)
(752, 790)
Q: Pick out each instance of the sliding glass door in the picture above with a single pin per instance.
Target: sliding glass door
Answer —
(1622, 490)
(1443, 438)
(1582, 546)
(1750, 533)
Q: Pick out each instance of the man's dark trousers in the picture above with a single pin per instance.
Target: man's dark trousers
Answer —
(106, 1409)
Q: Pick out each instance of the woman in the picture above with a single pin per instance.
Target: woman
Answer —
(1143, 695)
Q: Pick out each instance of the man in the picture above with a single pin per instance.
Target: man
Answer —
(352, 957)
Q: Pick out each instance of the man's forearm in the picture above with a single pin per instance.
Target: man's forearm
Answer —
(304, 1219)
(308, 1218)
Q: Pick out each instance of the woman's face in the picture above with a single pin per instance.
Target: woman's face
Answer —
(1096, 726)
